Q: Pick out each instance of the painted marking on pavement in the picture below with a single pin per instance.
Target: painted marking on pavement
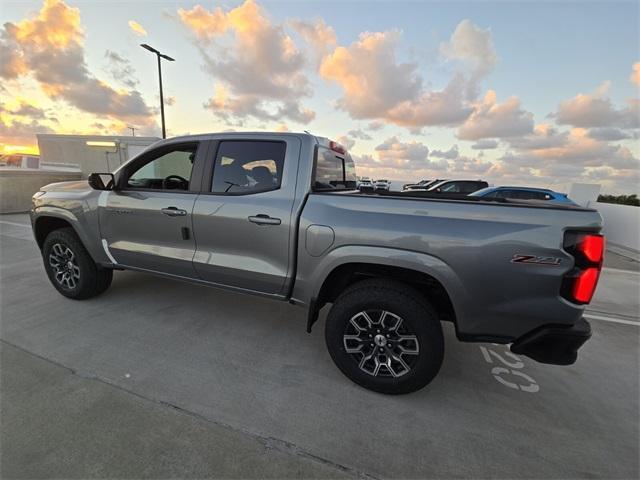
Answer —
(611, 319)
(25, 225)
(508, 374)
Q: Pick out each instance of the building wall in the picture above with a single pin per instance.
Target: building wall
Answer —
(621, 224)
(74, 149)
(17, 186)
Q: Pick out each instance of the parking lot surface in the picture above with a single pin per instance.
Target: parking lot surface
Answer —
(160, 378)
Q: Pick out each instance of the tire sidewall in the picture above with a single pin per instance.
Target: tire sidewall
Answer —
(418, 317)
(85, 263)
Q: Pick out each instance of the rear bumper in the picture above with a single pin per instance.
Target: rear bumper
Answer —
(554, 344)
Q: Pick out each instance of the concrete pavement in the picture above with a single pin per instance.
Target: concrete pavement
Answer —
(58, 424)
(247, 364)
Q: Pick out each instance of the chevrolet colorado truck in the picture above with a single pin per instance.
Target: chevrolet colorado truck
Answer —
(279, 215)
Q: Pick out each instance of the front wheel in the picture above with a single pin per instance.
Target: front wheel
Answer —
(385, 337)
(70, 268)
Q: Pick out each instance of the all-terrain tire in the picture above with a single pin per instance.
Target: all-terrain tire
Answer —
(346, 329)
(70, 268)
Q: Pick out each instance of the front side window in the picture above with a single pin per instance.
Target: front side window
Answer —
(244, 167)
(170, 170)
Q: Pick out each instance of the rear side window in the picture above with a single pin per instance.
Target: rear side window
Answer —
(245, 167)
(333, 171)
(470, 187)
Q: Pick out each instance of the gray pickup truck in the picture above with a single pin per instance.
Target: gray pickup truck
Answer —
(279, 215)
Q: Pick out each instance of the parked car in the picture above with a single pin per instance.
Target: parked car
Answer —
(382, 185)
(523, 193)
(420, 184)
(365, 185)
(456, 186)
(278, 215)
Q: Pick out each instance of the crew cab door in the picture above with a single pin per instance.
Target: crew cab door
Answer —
(146, 222)
(243, 217)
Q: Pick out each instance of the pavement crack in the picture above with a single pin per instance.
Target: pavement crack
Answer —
(269, 443)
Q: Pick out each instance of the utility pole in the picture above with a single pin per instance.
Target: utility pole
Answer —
(166, 57)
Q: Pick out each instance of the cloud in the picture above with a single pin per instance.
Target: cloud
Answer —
(27, 110)
(635, 73)
(595, 109)
(318, 34)
(465, 166)
(121, 69)
(49, 48)
(137, 28)
(485, 144)
(375, 126)
(360, 134)
(491, 119)
(377, 86)
(450, 154)
(610, 134)
(372, 80)
(395, 154)
(260, 70)
(473, 46)
(392, 148)
(576, 148)
(543, 136)
(346, 142)
(20, 131)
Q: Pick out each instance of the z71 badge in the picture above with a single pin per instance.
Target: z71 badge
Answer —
(520, 258)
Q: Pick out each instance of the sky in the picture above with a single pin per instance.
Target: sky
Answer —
(518, 93)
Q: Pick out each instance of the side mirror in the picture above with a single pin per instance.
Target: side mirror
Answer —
(438, 190)
(102, 181)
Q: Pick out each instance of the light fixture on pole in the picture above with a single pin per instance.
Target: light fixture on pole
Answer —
(166, 57)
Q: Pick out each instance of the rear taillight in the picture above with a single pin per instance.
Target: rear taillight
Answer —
(585, 284)
(587, 249)
(592, 247)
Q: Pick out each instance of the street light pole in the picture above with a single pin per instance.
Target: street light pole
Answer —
(166, 57)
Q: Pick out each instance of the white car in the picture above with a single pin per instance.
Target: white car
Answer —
(365, 184)
(382, 185)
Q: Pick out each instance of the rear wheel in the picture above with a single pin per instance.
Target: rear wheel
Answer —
(385, 337)
(70, 268)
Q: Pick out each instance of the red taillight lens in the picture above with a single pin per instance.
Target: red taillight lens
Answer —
(585, 284)
(587, 249)
(592, 246)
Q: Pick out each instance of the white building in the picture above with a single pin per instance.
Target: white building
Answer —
(92, 153)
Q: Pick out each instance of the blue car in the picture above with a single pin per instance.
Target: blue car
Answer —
(523, 193)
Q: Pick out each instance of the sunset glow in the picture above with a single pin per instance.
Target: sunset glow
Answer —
(415, 90)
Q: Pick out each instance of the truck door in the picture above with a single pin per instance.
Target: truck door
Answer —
(243, 218)
(146, 222)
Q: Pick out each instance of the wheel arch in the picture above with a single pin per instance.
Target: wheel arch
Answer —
(47, 219)
(426, 274)
(45, 224)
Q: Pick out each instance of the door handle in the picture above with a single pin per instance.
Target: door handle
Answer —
(263, 219)
(174, 212)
